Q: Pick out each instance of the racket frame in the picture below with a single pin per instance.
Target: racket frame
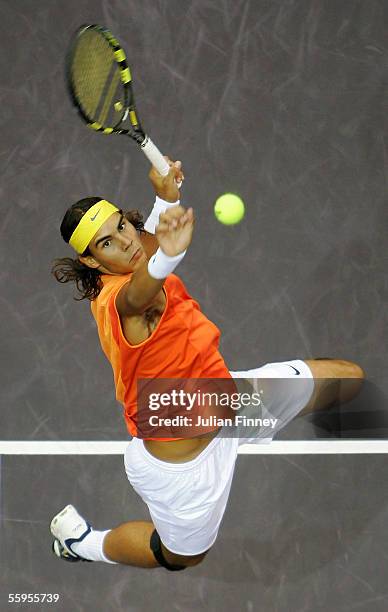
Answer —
(136, 131)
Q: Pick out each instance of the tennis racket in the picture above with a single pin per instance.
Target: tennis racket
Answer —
(100, 86)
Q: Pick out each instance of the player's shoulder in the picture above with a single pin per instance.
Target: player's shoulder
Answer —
(111, 285)
(176, 288)
(174, 282)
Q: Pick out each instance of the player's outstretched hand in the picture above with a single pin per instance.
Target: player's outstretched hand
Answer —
(175, 230)
(166, 187)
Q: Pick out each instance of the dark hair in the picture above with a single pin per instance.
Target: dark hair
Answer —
(88, 280)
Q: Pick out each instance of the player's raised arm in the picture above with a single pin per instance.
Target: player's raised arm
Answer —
(174, 233)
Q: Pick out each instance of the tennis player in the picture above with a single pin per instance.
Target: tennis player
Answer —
(150, 327)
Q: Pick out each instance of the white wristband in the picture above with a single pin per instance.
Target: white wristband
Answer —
(160, 206)
(161, 265)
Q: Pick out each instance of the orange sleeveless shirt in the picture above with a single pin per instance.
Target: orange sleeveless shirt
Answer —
(183, 345)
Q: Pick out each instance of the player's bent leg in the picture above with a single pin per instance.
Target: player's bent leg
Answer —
(135, 543)
(335, 380)
(138, 543)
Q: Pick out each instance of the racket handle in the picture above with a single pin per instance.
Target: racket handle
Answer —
(154, 156)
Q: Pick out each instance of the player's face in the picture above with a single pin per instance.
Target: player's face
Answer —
(116, 248)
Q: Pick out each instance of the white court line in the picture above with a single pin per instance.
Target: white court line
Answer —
(287, 447)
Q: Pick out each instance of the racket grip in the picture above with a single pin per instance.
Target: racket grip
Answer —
(154, 155)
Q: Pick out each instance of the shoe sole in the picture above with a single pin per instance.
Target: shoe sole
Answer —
(61, 553)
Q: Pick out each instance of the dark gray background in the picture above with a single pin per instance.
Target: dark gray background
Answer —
(283, 102)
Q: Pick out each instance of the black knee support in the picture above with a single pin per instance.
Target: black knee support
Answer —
(156, 547)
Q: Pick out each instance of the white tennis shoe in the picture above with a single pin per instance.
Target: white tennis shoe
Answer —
(68, 527)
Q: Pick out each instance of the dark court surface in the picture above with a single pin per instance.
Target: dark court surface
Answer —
(285, 103)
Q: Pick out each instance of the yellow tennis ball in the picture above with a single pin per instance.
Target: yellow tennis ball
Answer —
(229, 209)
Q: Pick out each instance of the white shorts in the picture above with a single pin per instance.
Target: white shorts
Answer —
(187, 500)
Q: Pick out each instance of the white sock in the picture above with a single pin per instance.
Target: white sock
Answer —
(91, 547)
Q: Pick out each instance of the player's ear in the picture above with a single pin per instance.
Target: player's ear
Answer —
(89, 261)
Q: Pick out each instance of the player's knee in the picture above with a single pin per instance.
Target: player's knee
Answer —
(186, 560)
(356, 370)
(349, 369)
(169, 560)
(196, 560)
(335, 368)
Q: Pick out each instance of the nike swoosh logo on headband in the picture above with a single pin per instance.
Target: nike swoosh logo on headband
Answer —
(93, 218)
(296, 371)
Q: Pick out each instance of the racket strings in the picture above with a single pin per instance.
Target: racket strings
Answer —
(96, 80)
